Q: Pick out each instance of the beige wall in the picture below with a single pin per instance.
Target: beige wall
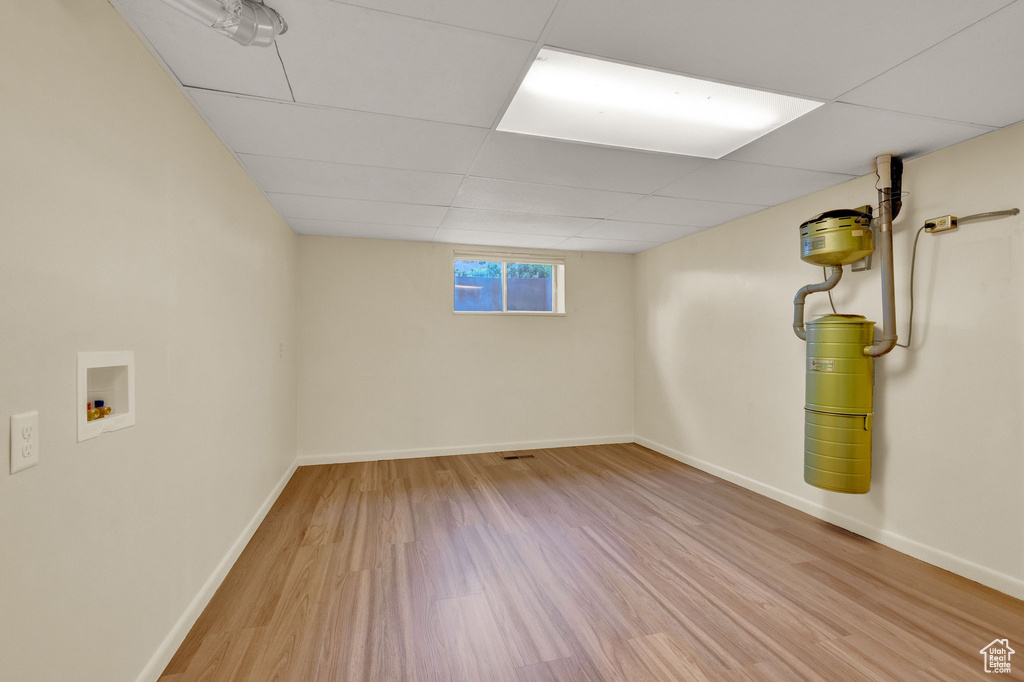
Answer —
(126, 225)
(385, 366)
(719, 372)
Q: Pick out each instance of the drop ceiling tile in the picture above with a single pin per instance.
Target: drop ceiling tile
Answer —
(345, 56)
(201, 57)
(480, 238)
(508, 156)
(973, 76)
(605, 245)
(356, 211)
(253, 126)
(523, 223)
(521, 19)
(503, 195)
(845, 138)
(334, 228)
(750, 183)
(691, 212)
(326, 179)
(644, 232)
(816, 49)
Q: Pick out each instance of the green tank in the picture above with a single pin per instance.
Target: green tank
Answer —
(838, 407)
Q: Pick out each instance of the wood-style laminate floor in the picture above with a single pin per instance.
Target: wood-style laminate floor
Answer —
(605, 562)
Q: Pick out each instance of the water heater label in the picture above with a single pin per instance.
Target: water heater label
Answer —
(814, 244)
(820, 365)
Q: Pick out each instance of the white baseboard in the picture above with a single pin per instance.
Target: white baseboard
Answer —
(176, 636)
(347, 457)
(1003, 582)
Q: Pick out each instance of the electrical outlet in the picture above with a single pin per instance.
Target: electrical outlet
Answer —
(940, 224)
(24, 441)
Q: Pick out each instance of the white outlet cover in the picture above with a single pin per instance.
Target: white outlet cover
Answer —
(24, 441)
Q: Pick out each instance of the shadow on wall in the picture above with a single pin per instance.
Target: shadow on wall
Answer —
(708, 335)
(715, 341)
(893, 367)
(887, 372)
(880, 441)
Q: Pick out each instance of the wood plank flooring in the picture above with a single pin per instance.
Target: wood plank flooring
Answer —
(604, 562)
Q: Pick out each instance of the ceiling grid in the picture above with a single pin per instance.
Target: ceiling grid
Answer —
(377, 118)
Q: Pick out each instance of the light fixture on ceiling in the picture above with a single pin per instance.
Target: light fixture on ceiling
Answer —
(574, 97)
(247, 22)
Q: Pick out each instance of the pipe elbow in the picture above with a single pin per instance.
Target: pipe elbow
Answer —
(881, 348)
(805, 291)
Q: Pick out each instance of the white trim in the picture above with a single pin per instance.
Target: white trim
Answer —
(508, 256)
(376, 455)
(504, 285)
(1003, 582)
(513, 313)
(176, 636)
(557, 264)
(558, 294)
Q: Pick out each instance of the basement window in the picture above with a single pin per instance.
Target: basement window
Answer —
(508, 284)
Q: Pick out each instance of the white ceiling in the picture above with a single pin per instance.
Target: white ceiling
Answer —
(375, 118)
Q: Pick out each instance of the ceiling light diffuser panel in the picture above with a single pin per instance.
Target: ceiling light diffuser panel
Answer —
(573, 97)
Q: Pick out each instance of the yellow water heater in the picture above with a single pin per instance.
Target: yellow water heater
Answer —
(841, 349)
(838, 405)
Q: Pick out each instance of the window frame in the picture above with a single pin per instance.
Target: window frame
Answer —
(557, 280)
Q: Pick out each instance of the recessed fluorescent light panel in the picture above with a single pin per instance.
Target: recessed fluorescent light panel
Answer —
(573, 97)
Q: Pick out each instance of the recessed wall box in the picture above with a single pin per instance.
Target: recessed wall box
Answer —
(108, 376)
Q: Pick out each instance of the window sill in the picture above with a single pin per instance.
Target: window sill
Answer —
(517, 313)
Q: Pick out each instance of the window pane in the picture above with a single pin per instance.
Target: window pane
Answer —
(478, 285)
(529, 287)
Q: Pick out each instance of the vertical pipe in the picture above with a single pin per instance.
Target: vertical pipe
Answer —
(888, 340)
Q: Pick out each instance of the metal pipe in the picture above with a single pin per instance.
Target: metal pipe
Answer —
(798, 302)
(888, 340)
(988, 214)
(247, 22)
